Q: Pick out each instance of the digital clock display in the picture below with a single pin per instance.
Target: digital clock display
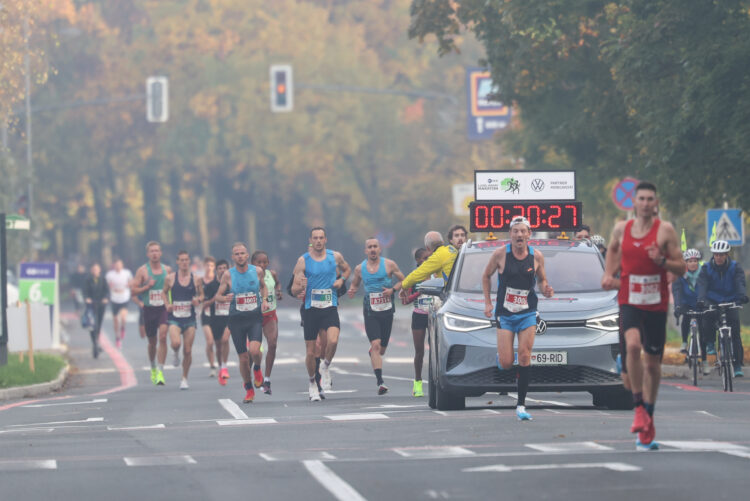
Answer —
(542, 216)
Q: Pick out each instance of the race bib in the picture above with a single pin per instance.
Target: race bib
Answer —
(424, 302)
(182, 309)
(156, 297)
(222, 309)
(321, 298)
(379, 302)
(644, 289)
(516, 300)
(247, 301)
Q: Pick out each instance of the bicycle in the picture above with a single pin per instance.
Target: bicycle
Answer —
(725, 358)
(694, 349)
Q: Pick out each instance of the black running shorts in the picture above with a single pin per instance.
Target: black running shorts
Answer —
(418, 321)
(317, 319)
(652, 326)
(378, 326)
(244, 328)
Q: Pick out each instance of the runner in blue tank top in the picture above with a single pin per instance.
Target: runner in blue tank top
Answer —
(244, 287)
(186, 294)
(315, 283)
(377, 274)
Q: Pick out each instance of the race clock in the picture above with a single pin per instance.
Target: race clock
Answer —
(542, 215)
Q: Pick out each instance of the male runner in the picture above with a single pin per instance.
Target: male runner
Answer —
(245, 288)
(315, 282)
(270, 319)
(377, 274)
(118, 279)
(219, 315)
(149, 283)
(186, 294)
(517, 266)
(643, 250)
(209, 267)
(422, 303)
(457, 236)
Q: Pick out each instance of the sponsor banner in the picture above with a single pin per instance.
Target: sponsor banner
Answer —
(37, 271)
(524, 185)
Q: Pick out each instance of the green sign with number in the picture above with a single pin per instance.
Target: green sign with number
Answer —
(37, 291)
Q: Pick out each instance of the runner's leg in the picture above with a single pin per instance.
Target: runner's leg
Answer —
(206, 328)
(187, 350)
(271, 332)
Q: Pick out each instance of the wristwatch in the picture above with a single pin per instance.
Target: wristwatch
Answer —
(663, 261)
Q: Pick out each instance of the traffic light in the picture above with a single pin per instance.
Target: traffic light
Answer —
(281, 88)
(157, 99)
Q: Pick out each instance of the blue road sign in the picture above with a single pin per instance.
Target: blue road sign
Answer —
(729, 225)
(484, 116)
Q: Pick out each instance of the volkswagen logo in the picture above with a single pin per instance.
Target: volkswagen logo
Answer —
(541, 327)
(537, 185)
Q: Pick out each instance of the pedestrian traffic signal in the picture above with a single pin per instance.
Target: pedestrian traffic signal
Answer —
(281, 88)
(157, 99)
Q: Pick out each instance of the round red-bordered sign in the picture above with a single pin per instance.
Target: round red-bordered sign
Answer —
(624, 192)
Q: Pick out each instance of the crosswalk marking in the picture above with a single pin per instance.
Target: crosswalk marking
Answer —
(95, 401)
(232, 408)
(434, 452)
(357, 417)
(297, 456)
(245, 422)
(28, 464)
(569, 447)
(159, 460)
(501, 468)
(159, 426)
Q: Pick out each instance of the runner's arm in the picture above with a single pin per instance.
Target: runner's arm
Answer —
(493, 266)
(199, 290)
(263, 289)
(136, 289)
(672, 260)
(276, 285)
(224, 286)
(395, 271)
(701, 284)
(343, 268)
(356, 280)
(300, 281)
(541, 274)
(432, 265)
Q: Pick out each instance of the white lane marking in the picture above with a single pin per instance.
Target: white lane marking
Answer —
(491, 411)
(296, 456)
(739, 454)
(96, 371)
(433, 494)
(143, 427)
(704, 445)
(398, 360)
(87, 420)
(569, 447)
(622, 467)
(433, 452)
(232, 408)
(332, 482)
(326, 392)
(159, 460)
(95, 401)
(553, 411)
(349, 373)
(288, 361)
(24, 430)
(441, 413)
(706, 413)
(28, 464)
(393, 406)
(357, 417)
(243, 422)
(551, 402)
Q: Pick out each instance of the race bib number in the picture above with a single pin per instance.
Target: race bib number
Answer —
(516, 300)
(644, 289)
(182, 309)
(380, 302)
(424, 302)
(247, 301)
(222, 309)
(156, 298)
(321, 298)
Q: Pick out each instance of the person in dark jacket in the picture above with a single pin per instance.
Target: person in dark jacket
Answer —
(686, 299)
(96, 294)
(722, 280)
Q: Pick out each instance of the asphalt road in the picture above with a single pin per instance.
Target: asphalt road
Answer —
(111, 435)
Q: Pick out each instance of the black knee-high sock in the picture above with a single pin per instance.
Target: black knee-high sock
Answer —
(523, 384)
(379, 375)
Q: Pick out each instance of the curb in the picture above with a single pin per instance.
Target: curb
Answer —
(675, 371)
(36, 390)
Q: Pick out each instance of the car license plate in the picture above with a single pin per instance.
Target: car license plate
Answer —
(546, 358)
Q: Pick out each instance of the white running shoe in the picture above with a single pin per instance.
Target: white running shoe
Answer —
(212, 372)
(314, 394)
(325, 377)
(176, 359)
(184, 384)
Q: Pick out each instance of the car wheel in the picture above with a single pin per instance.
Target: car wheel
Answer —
(620, 399)
(598, 399)
(448, 402)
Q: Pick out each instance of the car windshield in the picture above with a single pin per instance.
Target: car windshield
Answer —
(566, 271)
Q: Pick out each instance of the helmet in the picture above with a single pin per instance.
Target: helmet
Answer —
(691, 254)
(598, 240)
(720, 247)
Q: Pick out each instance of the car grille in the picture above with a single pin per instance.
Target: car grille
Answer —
(456, 355)
(553, 375)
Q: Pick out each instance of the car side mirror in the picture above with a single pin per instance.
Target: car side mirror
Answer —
(432, 287)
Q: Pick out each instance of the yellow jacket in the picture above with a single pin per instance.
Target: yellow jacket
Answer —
(440, 261)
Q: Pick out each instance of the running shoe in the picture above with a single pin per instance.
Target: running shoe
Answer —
(160, 378)
(417, 389)
(738, 372)
(314, 394)
(645, 440)
(154, 374)
(118, 343)
(266, 388)
(212, 372)
(711, 349)
(249, 396)
(382, 389)
(184, 384)
(641, 420)
(176, 359)
(257, 378)
(521, 413)
(223, 376)
(325, 377)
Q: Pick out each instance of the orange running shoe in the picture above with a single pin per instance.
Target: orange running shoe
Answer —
(641, 421)
(223, 376)
(257, 378)
(249, 396)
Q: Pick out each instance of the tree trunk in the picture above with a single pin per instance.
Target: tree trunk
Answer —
(220, 246)
(122, 247)
(101, 221)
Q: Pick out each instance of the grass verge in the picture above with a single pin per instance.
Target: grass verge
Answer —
(18, 373)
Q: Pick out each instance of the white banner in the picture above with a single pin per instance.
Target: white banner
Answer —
(525, 185)
(463, 195)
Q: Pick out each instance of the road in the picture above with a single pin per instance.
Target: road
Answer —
(111, 435)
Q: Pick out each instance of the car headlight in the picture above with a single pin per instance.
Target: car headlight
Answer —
(464, 324)
(609, 322)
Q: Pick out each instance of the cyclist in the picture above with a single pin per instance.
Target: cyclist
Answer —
(686, 298)
(722, 280)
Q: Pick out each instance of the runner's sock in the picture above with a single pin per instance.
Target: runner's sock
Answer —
(312, 379)
(649, 408)
(638, 399)
(256, 367)
(379, 375)
(266, 379)
(249, 386)
(161, 367)
(523, 384)
(327, 362)
(153, 364)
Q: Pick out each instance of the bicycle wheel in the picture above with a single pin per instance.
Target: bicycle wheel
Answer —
(693, 357)
(726, 365)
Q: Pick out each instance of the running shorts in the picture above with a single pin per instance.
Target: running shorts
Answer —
(183, 323)
(205, 319)
(517, 322)
(418, 321)
(317, 319)
(153, 317)
(270, 316)
(651, 324)
(244, 329)
(118, 307)
(218, 324)
(378, 326)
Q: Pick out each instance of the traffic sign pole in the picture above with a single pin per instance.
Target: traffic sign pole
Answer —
(3, 297)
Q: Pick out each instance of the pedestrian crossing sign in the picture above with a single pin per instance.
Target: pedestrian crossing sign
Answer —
(729, 225)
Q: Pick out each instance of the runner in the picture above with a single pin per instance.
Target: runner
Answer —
(209, 267)
(270, 320)
(118, 279)
(418, 324)
(315, 282)
(643, 250)
(149, 284)
(457, 236)
(243, 286)
(183, 293)
(517, 266)
(377, 274)
(219, 315)
(96, 292)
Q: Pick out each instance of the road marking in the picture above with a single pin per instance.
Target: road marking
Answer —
(159, 460)
(87, 420)
(394, 406)
(296, 456)
(622, 467)
(704, 445)
(243, 422)
(569, 447)
(327, 392)
(23, 430)
(433, 494)
(95, 401)
(232, 408)
(553, 411)
(491, 411)
(550, 402)
(349, 373)
(398, 360)
(96, 371)
(440, 413)
(171, 367)
(127, 375)
(706, 413)
(434, 452)
(143, 427)
(28, 464)
(332, 482)
(357, 417)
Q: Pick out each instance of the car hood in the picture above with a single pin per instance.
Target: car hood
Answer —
(559, 303)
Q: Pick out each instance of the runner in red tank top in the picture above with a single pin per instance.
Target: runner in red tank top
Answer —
(642, 250)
